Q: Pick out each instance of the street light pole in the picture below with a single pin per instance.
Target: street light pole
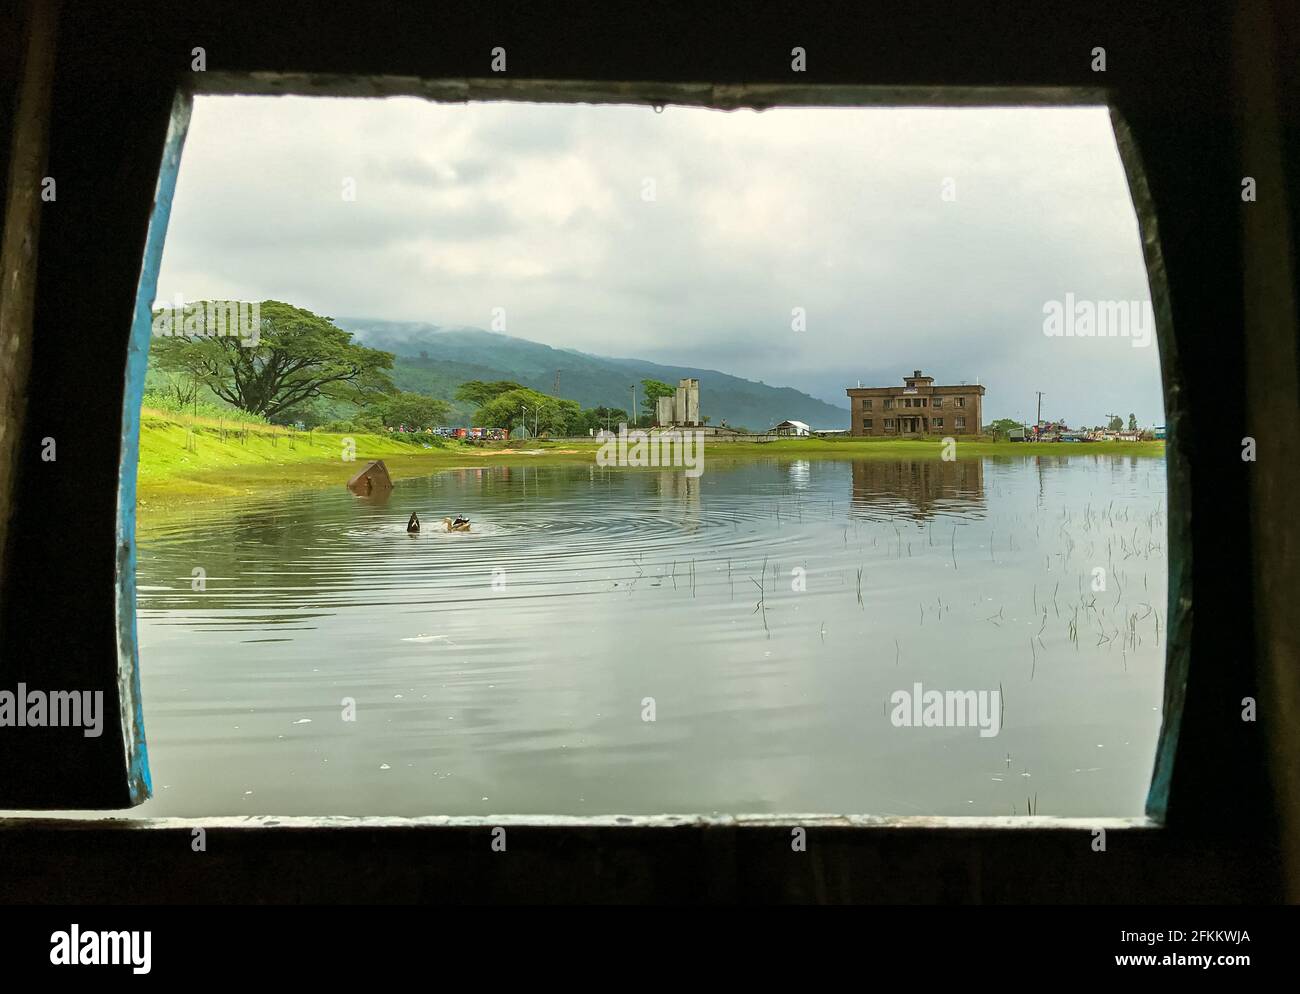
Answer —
(632, 413)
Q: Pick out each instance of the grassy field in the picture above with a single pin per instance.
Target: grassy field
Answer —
(911, 448)
(185, 460)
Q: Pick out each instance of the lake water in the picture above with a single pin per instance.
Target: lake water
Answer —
(763, 614)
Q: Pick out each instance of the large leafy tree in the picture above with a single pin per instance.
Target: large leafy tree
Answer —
(531, 409)
(654, 389)
(299, 356)
(1003, 427)
(599, 419)
(480, 392)
(413, 410)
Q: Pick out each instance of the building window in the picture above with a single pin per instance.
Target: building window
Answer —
(866, 424)
(866, 404)
(889, 424)
(961, 422)
(961, 401)
(938, 422)
(938, 402)
(889, 402)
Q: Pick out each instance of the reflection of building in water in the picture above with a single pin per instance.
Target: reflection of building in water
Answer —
(679, 497)
(799, 470)
(675, 483)
(918, 488)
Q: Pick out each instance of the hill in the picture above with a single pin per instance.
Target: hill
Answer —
(434, 360)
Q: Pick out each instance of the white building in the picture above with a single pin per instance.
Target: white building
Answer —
(791, 428)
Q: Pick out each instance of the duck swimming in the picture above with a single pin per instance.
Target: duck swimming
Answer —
(413, 525)
(458, 525)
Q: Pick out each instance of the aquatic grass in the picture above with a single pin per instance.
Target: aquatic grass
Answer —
(761, 605)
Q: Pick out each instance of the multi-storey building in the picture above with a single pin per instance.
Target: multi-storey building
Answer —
(918, 407)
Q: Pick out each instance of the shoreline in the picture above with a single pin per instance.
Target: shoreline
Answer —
(200, 461)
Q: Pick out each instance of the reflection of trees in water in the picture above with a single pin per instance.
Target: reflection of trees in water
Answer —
(275, 558)
(1118, 466)
(918, 488)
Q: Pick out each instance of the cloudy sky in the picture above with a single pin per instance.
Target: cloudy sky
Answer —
(689, 236)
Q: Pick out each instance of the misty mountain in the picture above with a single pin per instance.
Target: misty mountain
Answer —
(435, 360)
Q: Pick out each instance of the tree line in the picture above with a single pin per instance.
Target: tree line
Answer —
(305, 369)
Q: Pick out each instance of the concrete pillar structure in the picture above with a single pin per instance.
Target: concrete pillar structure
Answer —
(664, 411)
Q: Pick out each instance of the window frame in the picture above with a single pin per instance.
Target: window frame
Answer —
(541, 91)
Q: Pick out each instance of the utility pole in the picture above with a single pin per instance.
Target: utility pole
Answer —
(632, 413)
(1040, 407)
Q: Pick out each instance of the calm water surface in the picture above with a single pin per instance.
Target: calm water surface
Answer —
(769, 610)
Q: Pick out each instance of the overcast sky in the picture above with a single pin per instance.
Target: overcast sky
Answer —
(547, 211)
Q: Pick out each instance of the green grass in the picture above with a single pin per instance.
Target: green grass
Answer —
(185, 459)
(977, 446)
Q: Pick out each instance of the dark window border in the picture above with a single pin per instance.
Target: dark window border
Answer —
(1205, 98)
(551, 91)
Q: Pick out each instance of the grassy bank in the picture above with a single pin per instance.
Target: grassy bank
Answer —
(184, 460)
(911, 448)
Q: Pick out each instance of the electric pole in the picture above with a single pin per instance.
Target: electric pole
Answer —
(632, 413)
(1040, 407)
